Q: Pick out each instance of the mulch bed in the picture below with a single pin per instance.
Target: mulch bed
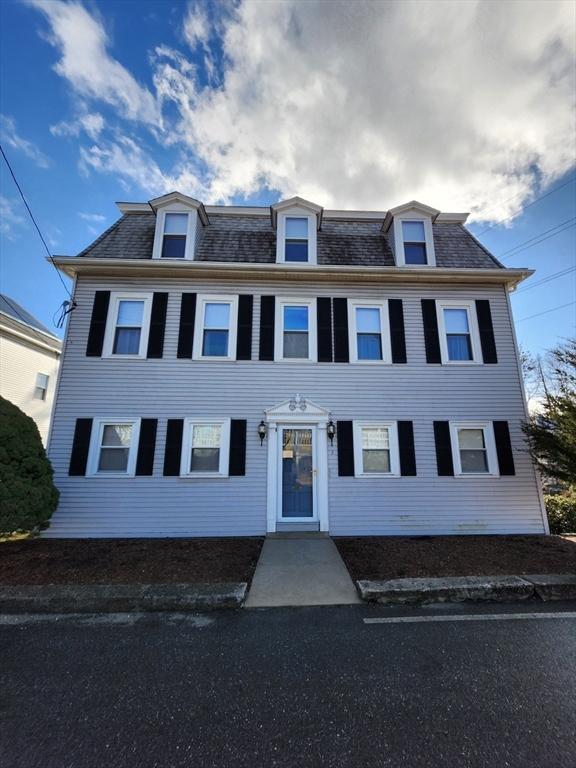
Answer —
(398, 557)
(128, 561)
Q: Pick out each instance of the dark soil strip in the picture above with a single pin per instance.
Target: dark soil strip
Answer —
(128, 561)
(397, 557)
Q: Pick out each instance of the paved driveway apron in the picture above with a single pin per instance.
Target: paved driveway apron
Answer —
(300, 571)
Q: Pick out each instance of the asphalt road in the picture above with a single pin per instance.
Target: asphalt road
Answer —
(291, 687)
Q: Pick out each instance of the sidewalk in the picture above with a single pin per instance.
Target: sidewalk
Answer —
(300, 571)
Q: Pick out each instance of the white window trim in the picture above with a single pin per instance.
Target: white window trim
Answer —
(190, 232)
(224, 463)
(384, 330)
(399, 241)
(296, 213)
(392, 427)
(96, 438)
(470, 307)
(282, 302)
(491, 455)
(201, 302)
(111, 320)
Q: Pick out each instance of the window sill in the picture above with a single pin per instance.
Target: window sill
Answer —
(114, 475)
(379, 475)
(463, 363)
(204, 476)
(475, 475)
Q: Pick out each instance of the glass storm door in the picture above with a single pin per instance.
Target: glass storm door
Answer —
(297, 475)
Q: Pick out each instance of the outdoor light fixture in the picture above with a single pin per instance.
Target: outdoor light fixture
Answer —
(331, 431)
(262, 430)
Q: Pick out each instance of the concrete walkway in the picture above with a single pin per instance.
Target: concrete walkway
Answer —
(300, 571)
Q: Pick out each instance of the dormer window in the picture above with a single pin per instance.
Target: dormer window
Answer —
(414, 238)
(175, 232)
(296, 240)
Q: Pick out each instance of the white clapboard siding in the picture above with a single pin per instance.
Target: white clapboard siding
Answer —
(173, 388)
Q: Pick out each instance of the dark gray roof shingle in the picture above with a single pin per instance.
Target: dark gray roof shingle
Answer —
(10, 307)
(237, 238)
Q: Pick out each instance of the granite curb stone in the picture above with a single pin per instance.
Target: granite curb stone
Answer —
(553, 586)
(450, 589)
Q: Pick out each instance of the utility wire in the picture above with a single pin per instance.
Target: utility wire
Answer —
(536, 200)
(546, 279)
(535, 237)
(19, 188)
(542, 240)
(547, 311)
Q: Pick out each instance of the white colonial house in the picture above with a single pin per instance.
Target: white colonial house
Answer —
(29, 360)
(241, 370)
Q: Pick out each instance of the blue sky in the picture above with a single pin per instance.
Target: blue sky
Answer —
(352, 106)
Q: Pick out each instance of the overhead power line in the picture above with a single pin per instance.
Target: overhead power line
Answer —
(19, 188)
(519, 194)
(544, 280)
(528, 205)
(547, 311)
(535, 237)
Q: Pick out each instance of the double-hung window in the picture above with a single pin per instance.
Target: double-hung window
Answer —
(414, 239)
(128, 325)
(174, 237)
(376, 449)
(216, 328)
(41, 387)
(369, 331)
(473, 448)
(296, 239)
(459, 338)
(205, 448)
(113, 446)
(296, 330)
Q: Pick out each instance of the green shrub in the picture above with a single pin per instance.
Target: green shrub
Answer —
(27, 493)
(561, 509)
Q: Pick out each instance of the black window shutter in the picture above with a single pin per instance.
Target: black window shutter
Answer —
(186, 332)
(345, 440)
(406, 448)
(157, 325)
(146, 447)
(80, 447)
(443, 448)
(397, 334)
(237, 465)
(324, 326)
(431, 338)
(98, 324)
(173, 451)
(486, 329)
(244, 337)
(503, 448)
(267, 311)
(341, 349)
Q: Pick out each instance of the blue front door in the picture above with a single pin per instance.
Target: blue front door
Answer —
(297, 473)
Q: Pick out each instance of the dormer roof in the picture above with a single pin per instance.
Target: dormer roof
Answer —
(413, 205)
(296, 202)
(187, 202)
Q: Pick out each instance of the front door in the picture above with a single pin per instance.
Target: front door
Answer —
(297, 492)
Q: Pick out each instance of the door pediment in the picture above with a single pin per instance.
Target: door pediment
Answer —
(297, 407)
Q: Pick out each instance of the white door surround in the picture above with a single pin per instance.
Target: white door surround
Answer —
(297, 412)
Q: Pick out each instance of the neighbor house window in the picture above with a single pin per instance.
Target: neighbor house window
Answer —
(459, 340)
(296, 330)
(41, 387)
(216, 330)
(473, 448)
(128, 325)
(296, 239)
(414, 239)
(175, 232)
(113, 448)
(376, 449)
(205, 448)
(369, 332)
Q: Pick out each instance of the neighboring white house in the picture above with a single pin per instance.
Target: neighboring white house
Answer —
(29, 359)
(232, 371)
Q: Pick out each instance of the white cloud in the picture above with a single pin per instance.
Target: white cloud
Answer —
(10, 219)
(13, 139)
(85, 63)
(462, 105)
(91, 123)
(95, 217)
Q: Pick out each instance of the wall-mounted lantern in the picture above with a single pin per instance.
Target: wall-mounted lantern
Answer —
(331, 431)
(262, 431)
